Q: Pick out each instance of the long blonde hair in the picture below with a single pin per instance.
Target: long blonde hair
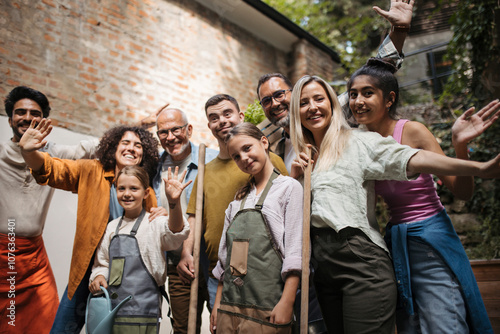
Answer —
(337, 135)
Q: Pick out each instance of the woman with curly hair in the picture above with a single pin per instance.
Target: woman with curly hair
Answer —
(97, 203)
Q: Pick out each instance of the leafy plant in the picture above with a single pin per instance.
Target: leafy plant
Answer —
(254, 113)
(474, 52)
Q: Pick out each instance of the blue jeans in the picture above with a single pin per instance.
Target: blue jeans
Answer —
(212, 290)
(438, 302)
(70, 316)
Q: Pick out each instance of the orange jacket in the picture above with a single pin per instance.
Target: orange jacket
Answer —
(93, 184)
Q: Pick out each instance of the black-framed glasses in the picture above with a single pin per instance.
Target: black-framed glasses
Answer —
(176, 131)
(278, 96)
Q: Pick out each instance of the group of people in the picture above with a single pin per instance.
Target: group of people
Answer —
(134, 204)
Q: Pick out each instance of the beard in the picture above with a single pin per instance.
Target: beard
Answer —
(283, 122)
(15, 129)
(183, 149)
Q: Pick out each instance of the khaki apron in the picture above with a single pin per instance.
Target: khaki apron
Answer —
(252, 278)
(128, 275)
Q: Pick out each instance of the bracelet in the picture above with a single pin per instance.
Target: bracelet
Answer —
(401, 28)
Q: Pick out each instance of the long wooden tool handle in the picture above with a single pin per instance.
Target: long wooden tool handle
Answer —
(306, 231)
(193, 299)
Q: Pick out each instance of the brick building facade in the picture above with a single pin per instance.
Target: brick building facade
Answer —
(108, 62)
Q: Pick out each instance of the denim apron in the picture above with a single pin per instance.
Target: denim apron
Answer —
(128, 275)
(252, 278)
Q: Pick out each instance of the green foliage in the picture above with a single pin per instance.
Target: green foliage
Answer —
(472, 50)
(486, 199)
(254, 113)
(350, 27)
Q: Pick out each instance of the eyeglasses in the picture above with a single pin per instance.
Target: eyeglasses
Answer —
(278, 96)
(176, 131)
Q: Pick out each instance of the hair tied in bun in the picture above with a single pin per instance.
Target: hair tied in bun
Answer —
(382, 63)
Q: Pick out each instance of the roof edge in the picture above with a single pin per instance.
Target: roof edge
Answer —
(286, 23)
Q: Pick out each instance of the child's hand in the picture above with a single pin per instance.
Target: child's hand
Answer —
(95, 286)
(174, 186)
(282, 313)
(34, 138)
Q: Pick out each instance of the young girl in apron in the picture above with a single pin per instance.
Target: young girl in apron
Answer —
(130, 259)
(260, 250)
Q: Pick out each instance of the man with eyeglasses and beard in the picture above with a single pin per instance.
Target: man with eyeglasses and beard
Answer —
(174, 132)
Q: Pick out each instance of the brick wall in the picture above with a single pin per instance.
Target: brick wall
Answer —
(107, 62)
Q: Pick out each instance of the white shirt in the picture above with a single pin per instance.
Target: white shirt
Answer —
(153, 238)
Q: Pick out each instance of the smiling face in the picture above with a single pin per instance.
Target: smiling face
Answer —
(367, 102)
(315, 109)
(222, 117)
(24, 111)
(250, 154)
(131, 193)
(177, 146)
(276, 112)
(129, 151)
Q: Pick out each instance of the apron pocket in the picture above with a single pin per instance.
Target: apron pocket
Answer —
(116, 271)
(239, 257)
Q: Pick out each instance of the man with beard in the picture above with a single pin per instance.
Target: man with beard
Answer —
(174, 132)
(27, 285)
(222, 179)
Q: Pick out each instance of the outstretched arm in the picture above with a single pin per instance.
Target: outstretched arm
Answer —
(33, 140)
(433, 163)
(399, 16)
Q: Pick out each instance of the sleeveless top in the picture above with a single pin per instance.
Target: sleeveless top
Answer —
(409, 201)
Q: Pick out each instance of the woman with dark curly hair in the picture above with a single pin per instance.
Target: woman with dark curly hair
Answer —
(97, 204)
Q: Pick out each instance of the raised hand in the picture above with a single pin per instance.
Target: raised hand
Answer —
(174, 186)
(34, 138)
(470, 125)
(150, 121)
(399, 14)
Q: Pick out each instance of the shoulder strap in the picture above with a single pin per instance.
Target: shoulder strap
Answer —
(136, 225)
(398, 130)
(274, 175)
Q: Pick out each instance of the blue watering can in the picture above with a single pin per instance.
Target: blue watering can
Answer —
(99, 317)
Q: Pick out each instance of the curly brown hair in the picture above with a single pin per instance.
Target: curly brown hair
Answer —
(109, 142)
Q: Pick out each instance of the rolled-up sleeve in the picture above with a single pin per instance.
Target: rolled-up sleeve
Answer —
(294, 212)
